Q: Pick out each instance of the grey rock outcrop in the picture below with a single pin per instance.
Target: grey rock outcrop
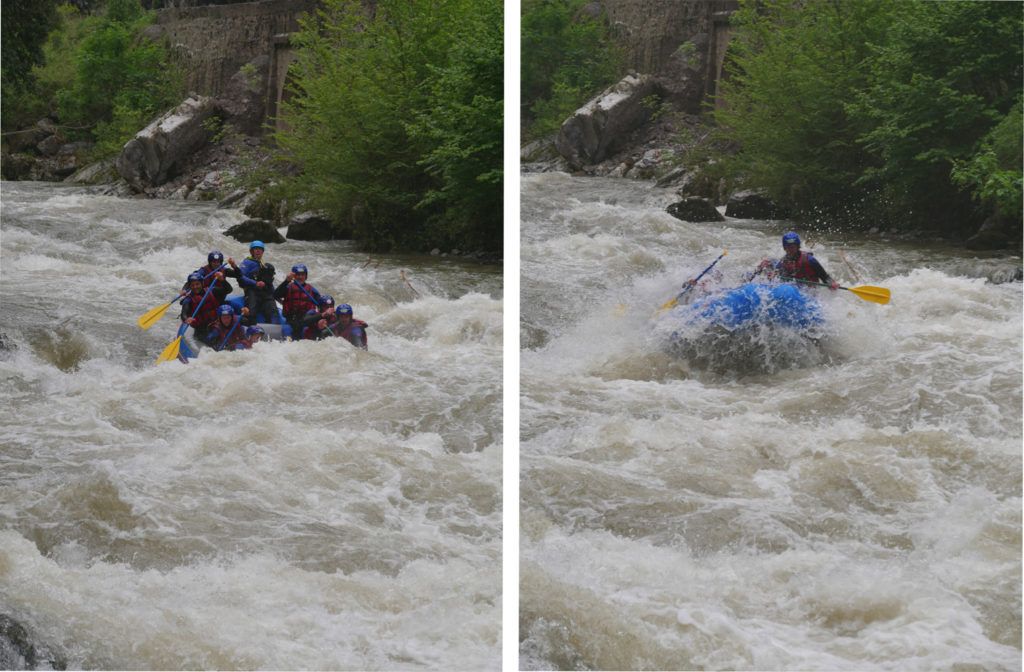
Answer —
(311, 226)
(255, 229)
(595, 130)
(243, 102)
(155, 153)
(753, 205)
(695, 209)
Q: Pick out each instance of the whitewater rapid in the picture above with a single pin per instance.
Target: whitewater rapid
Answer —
(856, 509)
(298, 506)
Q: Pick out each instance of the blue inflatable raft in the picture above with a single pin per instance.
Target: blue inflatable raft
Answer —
(782, 305)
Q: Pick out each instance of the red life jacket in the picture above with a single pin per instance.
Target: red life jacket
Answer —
(296, 303)
(207, 314)
(346, 333)
(799, 268)
(234, 332)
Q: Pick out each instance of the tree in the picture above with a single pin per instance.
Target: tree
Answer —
(395, 120)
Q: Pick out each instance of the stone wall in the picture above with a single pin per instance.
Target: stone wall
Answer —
(650, 31)
(214, 41)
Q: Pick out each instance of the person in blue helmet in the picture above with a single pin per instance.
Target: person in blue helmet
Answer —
(227, 332)
(795, 265)
(213, 271)
(297, 298)
(320, 322)
(257, 280)
(199, 310)
(349, 328)
(253, 335)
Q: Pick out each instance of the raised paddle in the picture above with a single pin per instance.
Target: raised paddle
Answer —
(153, 316)
(174, 347)
(673, 302)
(867, 292)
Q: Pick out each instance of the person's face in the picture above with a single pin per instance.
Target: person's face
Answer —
(345, 319)
(792, 249)
(226, 319)
(256, 252)
(196, 286)
(301, 277)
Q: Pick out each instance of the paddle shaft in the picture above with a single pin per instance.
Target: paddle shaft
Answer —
(234, 326)
(693, 282)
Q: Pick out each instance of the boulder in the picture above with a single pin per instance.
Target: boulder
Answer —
(255, 229)
(17, 166)
(311, 226)
(695, 209)
(753, 205)
(996, 232)
(158, 151)
(101, 172)
(50, 145)
(596, 130)
(23, 140)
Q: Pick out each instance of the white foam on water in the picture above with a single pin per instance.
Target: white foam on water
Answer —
(856, 510)
(302, 505)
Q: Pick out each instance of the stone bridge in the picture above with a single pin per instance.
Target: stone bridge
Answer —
(214, 41)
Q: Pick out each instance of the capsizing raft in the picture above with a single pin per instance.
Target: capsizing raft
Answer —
(755, 328)
(779, 305)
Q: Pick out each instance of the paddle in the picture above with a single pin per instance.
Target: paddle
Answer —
(867, 292)
(673, 302)
(174, 347)
(233, 327)
(153, 316)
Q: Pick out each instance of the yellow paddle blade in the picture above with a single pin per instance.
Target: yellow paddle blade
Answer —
(668, 305)
(171, 351)
(874, 294)
(154, 315)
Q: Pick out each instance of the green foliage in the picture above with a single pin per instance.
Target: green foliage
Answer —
(947, 73)
(992, 173)
(25, 26)
(566, 57)
(793, 67)
(869, 105)
(101, 77)
(396, 117)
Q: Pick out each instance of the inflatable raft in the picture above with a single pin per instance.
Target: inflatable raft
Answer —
(754, 304)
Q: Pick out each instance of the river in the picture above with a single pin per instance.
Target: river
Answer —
(301, 505)
(848, 503)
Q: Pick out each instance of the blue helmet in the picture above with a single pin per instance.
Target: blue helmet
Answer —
(326, 300)
(192, 277)
(215, 257)
(343, 309)
(300, 268)
(790, 238)
(225, 309)
(253, 330)
(257, 243)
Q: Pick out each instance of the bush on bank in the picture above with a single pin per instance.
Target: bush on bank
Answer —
(878, 112)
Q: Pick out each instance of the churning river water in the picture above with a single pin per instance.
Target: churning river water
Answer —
(301, 505)
(852, 503)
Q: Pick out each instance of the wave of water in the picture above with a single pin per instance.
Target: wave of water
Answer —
(298, 506)
(857, 509)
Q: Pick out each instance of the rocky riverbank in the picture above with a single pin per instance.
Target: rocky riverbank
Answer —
(634, 130)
